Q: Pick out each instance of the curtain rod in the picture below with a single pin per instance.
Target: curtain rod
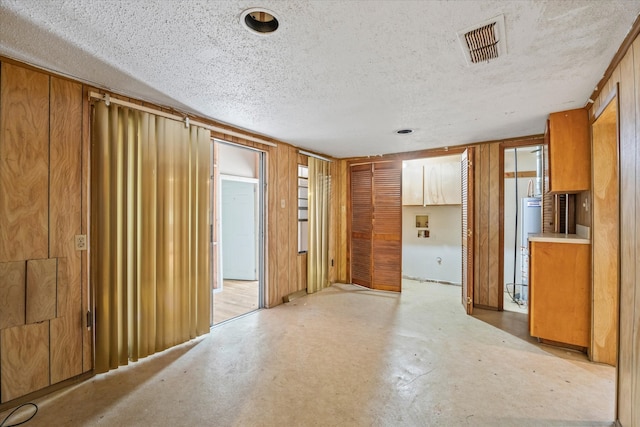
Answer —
(306, 153)
(107, 99)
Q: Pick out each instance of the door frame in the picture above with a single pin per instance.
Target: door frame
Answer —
(216, 179)
(505, 145)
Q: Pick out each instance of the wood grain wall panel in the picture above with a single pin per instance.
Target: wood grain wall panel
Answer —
(284, 268)
(605, 237)
(487, 273)
(343, 234)
(65, 192)
(65, 207)
(12, 294)
(66, 330)
(66, 165)
(24, 164)
(66, 347)
(476, 156)
(273, 203)
(43, 129)
(296, 283)
(24, 360)
(338, 223)
(334, 222)
(628, 222)
(494, 281)
(635, 394)
(41, 289)
(481, 290)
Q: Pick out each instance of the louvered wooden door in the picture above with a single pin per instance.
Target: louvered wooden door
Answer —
(376, 225)
(361, 224)
(467, 230)
(387, 226)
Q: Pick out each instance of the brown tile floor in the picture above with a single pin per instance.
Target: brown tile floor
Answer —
(347, 357)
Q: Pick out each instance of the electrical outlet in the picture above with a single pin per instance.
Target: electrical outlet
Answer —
(81, 242)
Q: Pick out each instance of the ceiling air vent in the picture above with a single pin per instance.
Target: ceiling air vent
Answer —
(483, 42)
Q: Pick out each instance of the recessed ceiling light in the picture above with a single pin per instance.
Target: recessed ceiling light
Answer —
(259, 21)
(404, 131)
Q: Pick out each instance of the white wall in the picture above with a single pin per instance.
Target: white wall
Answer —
(237, 161)
(419, 255)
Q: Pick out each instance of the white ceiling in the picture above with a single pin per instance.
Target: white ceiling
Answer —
(338, 77)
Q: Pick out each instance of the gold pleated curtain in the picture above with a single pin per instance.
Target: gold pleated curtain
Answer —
(149, 232)
(318, 251)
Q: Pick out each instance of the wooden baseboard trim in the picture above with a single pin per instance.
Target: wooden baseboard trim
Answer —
(573, 347)
(45, 391)
(485, 307)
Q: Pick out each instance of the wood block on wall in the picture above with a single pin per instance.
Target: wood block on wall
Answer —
(41, 289)
(66, 348)
(24, 360)
(12, 294)
(24, 164)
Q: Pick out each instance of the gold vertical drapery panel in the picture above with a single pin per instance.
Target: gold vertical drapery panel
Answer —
(319, 197)
(150, 233)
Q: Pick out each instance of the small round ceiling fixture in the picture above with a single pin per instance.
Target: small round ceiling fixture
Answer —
(404, 131)
(259, 21)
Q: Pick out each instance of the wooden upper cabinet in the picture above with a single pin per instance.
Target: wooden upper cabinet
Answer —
(412, 184)
(569, 151)
(432, 181)
(442, 181)
(450, 183)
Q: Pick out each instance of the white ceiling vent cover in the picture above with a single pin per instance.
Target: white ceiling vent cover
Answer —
(483, 42)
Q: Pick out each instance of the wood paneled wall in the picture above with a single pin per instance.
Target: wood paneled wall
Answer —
(43, 206)
(338, 250)
(605, 237)
(282, 224)
(627, 76)
(487, 272)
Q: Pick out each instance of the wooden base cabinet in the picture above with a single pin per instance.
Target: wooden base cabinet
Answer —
(560, 292)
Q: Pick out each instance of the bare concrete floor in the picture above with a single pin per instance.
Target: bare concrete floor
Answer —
(347, 357)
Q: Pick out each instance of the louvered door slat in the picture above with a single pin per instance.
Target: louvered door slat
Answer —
(361, 224)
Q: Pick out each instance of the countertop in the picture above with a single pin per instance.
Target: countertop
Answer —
(559, 238)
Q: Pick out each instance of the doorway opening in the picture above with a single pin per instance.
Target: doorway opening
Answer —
(238, 223)
(431, 218)
(522, 201)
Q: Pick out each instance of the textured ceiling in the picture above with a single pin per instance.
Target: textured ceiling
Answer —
(338, 77)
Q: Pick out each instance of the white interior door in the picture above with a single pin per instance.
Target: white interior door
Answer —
(239, 220)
